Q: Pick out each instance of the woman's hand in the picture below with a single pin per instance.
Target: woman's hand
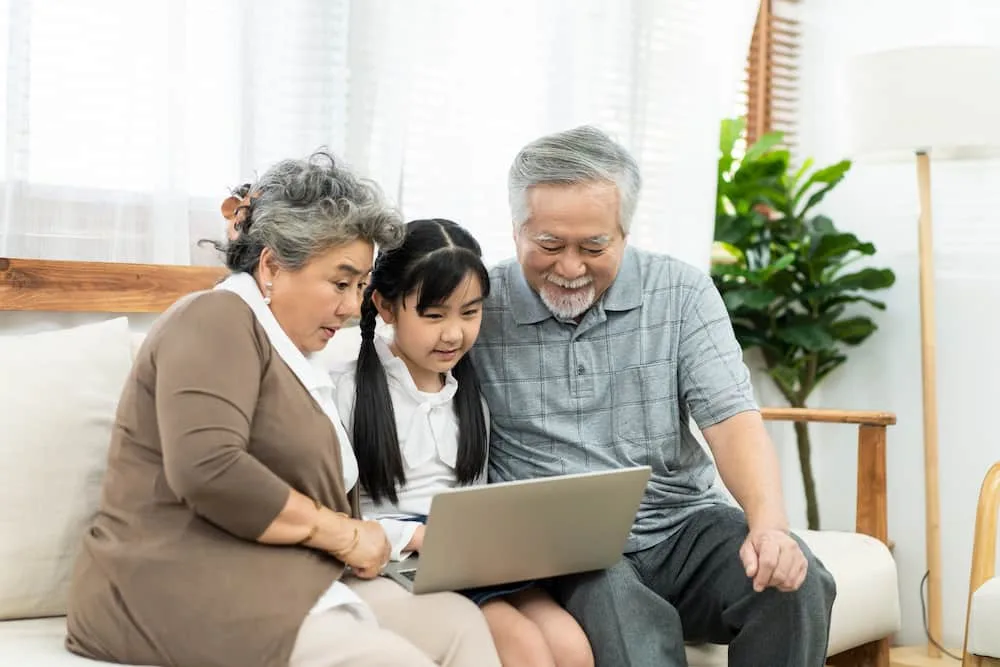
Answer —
(369, 556)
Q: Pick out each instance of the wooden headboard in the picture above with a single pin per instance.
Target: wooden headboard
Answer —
(98, 287)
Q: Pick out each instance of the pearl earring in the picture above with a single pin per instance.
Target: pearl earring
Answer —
(267, 294)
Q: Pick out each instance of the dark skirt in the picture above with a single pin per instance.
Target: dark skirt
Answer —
(483, 594)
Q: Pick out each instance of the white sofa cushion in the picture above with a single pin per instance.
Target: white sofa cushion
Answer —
(59, 396)
(984, 620)
(39, 643)
(867, 603)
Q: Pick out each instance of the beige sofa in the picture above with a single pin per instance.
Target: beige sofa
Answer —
(58, 399)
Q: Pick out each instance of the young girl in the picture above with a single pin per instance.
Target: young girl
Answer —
(419, 424)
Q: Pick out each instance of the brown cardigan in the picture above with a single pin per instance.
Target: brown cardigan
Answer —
(212, 429)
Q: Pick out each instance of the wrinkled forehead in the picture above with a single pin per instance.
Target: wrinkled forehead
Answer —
(574, 212)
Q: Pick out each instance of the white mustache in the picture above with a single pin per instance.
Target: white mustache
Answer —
(569, 284)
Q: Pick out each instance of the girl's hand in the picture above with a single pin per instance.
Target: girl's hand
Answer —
(369, 555)
(416, 542)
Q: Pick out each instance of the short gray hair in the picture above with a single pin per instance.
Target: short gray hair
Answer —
(302, 208)
(583, 154)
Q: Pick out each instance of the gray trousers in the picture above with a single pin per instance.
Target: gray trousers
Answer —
(692, 587)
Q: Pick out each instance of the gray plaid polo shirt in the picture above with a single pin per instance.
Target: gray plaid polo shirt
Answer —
(618, 388)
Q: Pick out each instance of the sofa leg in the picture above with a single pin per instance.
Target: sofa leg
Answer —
(872, 654)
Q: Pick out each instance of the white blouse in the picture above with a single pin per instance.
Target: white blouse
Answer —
(427, 429)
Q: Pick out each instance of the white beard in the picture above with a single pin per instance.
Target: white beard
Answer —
(567, 305)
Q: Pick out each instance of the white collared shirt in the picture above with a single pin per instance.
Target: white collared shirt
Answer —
(427, 429)
(320, 386)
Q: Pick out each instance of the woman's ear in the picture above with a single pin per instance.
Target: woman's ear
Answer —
(386, 309)
(267, 267)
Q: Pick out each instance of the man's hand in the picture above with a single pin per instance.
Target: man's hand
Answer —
(772, 558)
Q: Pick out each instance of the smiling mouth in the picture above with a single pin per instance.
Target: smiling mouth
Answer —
(446, 351)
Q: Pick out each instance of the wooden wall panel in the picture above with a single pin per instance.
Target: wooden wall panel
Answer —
(98, 287)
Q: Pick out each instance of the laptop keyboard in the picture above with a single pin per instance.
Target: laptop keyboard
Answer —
(409, 574)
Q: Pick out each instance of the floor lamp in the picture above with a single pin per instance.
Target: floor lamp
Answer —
(940, 101)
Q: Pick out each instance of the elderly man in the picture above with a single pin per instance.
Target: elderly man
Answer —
(594, 355)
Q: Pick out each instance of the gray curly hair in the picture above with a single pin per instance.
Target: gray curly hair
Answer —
(583, 154)
(302, 208)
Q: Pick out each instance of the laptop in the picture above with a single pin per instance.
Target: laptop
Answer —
(528, 529)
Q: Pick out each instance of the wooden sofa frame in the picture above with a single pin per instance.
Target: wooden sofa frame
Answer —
(122, 288)
(984, 555)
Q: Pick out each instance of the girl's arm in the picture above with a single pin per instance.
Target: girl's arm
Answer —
(405, 537)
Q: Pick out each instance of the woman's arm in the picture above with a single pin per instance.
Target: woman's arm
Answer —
(209, 361)
(303, 521)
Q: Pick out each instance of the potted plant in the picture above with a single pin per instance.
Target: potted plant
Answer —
(791, 281)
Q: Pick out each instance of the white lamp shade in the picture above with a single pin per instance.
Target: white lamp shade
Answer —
(940, 99)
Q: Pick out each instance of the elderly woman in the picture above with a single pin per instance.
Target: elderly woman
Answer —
(229, 510)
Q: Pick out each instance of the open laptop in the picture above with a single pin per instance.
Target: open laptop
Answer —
(515, 531)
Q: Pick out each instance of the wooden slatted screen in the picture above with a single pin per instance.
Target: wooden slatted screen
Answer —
(772, 73)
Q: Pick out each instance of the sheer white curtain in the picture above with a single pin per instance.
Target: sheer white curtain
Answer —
(125, 121)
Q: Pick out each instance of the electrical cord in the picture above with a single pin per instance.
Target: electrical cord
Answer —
(927, 630)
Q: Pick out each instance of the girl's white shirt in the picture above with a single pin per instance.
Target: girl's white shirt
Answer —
(427, 429)
(320, 386)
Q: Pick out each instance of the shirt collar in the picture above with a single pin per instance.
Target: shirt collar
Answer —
(525, 303)
(397, 372)
(624, 294)
(309, 373)
(421, 422)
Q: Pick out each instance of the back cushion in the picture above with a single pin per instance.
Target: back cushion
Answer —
(58, 398)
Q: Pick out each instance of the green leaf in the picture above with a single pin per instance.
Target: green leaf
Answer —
(838, 245)
(866, 279)
(755, 299)
(784, 282)
(780, 264)
(750, 337)
(733, 229)
(827, 177)
(811, 336)
(828, 364)
(731, 129)
(763, 145)
(806, 166)
(822, 225)
(850, 298)
(853, 331)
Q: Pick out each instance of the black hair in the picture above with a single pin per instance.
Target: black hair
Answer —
(435, 257)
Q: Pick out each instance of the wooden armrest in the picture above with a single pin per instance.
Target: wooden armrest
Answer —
(984, 541)
(833, 416)
(872, 512)
(984, 544)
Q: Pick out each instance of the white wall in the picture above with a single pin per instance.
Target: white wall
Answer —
(879, 202)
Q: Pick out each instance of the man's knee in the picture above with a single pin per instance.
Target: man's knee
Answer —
(618, 611)
(811, 604)
(819, 589)
(617, 581)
